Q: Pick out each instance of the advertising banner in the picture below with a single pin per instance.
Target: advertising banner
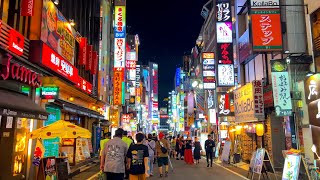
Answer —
(186, 64)
(83, 51)
(245, 47)
(267, 35)
(312, 88)
(120, 22)
(15, 42)
(264, 4)
(291, 167)
(84, 85)
(225, 75)
(94, 63)
(224, 32)
(190, 103)
(89, 57)
(247, 106)
(177, 77)
(224, 106)
(117, 87)
(49, 92)
(224, 11)
(268, 96)
(281, 88)
(119, 52)
(56, 31)
(27, 8)
(225, 53)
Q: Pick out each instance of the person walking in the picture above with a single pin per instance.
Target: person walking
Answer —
(129, 142)
(137, 159)
(178, 149)
(104, 141)
(197, 150)
(182, 147)
(188, 151)
(209, 146)
(173, 147)
(151, 144)
(113, 157)
(162, 148)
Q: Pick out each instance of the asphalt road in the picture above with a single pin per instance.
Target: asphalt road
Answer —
(181, 171)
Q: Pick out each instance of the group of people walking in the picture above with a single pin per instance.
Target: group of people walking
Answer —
(122, 158)
(182, 149)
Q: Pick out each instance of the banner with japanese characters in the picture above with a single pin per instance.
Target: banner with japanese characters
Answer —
(117, 87)
(281, 88)
(266, 30)
(225, 63)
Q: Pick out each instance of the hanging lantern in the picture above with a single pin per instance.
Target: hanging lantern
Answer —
(238, 130)
(259, 129)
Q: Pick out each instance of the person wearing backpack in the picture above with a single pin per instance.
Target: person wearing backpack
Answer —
(151, 144)
(162, 148)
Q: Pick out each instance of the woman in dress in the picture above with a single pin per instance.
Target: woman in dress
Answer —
(197, 150)
(188, 151)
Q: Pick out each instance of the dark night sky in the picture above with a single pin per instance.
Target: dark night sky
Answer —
(167, 29)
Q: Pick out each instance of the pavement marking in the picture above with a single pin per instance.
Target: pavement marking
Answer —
(93, 176)
(230, 171)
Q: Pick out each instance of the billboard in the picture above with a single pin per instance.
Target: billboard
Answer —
(224, 32)
(56, 31)
(120, 22)
(117, 87)
(267, 35)
(208, 67)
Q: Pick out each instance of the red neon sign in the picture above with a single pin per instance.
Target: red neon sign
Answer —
(16, 42)
(58, 64)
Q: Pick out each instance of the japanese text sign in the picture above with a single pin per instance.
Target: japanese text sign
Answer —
(246, 107)
(119, 52)
(15, 42)
(225, 75)
(89, 57)
(224, 108)
(84, 85)
(225, 53)
(131, 64)
(281, 88)
(266, 30)
(208, 67)
(312, 88)
(125, 118)
(224, 12)
(120, 22)
(58, 64)
(224, 32)
(117, 87)
(94, 62)
(83, 51)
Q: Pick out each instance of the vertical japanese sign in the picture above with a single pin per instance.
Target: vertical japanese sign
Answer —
(281, 88)
(186, 63)
(27, 8)
(225, 65)
(89, 58)
(178, 76)
(119, 35)
(258, 98)
(266, 30)
(208, 67)
(83, 51)
(117, 87)
(224, 107)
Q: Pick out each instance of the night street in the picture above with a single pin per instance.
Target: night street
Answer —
(181, 172)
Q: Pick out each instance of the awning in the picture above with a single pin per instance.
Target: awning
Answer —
(79, 110)
(19, 105)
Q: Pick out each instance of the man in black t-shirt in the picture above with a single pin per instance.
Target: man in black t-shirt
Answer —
(137, 161)
(209, 146)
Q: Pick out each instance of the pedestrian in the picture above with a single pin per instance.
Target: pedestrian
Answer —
(137, 159)
(104, 141)
(209, 146)
(188, 151)
(113, 157)
(129, 142)
(182, 147)
(197, 150)
(178, 149)
(152, 151)
(162, 148)
(173, 147)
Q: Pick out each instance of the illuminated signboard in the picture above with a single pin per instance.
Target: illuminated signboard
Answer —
(49, 92)
(16, 42)
(120, 22)
(224, 12)
(225, 75)
(131, 56)
(267, 35)
(178, 77)
(27, 8)
(117, 87)
(208, 67)
(224, 32)
(56, 31)
(131, 69)
(264, 4)
(125, 119)
(119, 52)
(84, 85)
(58, 64)
(225, 53)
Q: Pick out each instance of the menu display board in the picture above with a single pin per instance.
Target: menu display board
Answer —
(226, 151)
(82, 149)
(291, 167)
(258, 161)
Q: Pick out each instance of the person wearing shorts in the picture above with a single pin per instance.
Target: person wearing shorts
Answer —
(163, 160)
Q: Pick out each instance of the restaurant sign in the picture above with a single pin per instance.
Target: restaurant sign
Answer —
(117, 87)
(312, 88)
(224, 104)
(248, 102)
(49, 92)
(281, 88)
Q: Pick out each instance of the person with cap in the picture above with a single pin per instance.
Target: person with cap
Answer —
(104, 141)
(162, 148)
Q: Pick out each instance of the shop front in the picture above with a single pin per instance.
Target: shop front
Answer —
(18, 111)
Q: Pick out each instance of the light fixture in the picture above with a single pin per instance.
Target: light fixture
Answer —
(56, 2)
(94, 107)
(72, 22)
(71, 98)
(201, 86)
(314, 148)
(195, 84)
